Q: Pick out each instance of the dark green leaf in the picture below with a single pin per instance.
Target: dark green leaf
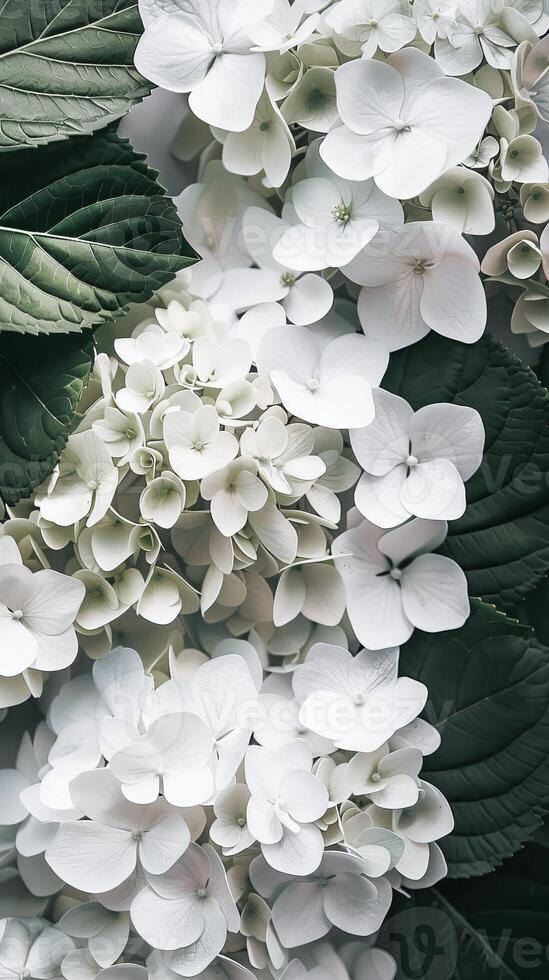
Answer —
(533, 610)
(489, 698)
(85, 229)
(502, 540)
(494, 929)
(41, 382)
(66, 67)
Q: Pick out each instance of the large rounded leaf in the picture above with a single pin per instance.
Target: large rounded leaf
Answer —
(494, 929)
(85, 229)
(41, 381)
(66, 67)
(502, 540)
(489, 698)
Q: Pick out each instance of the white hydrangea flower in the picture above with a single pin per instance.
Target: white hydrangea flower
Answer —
(195, 443)
(357, 702)
(101, 853)
(267, 145)
(368, 25)
(107, 932)
(328, 384)
(191, 900)
(416, 463)
(212, 212)
(84, 484)
(230, 827)
(31, 947)
(286, 800)
(477, 32)
(418, 826)
(205, 49)
(462, 199)
(37, 612)
(420, 277)
(284, 454)
(286, 26)
(152, 344)
(223, 695)
(394, 584)
(171, 757)
(336, 220)
(308, 297)
(144, 386)
(233, 492)
(339, 894)
(433, 17)
(423, 125)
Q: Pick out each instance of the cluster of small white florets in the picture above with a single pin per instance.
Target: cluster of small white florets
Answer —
(342, 112)
(235, 787)
(172, 806)
(201, 494)
(220, 816)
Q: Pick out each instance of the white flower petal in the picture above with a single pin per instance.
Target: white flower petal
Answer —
(229, 93)
(91, 857)
(434, 490)
(453, 300)
(434, 593)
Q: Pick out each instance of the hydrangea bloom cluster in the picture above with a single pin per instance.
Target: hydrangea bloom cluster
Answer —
(239, 745)
(210, 592)
(169, 822)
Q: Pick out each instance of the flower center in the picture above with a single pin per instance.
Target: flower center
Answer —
(396, 574)
(264, 126)
(411, 461)
(201, 892)
(217, 48)
(419, 268)
(358, 700)
(342, 213)
(17, 614)
(375, 777)
(316, 99)
(287, 279)
(401, 127)
(199, 446)
(241, 821)
(313, 384)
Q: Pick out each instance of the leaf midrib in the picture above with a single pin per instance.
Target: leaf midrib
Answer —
(76, 30)
(34, 235)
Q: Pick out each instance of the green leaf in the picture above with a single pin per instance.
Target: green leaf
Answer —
(533, 610)
(494, 929)
(488, 688)
(41, 382)
(85, 229)
(66, 67)
(502, 540)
